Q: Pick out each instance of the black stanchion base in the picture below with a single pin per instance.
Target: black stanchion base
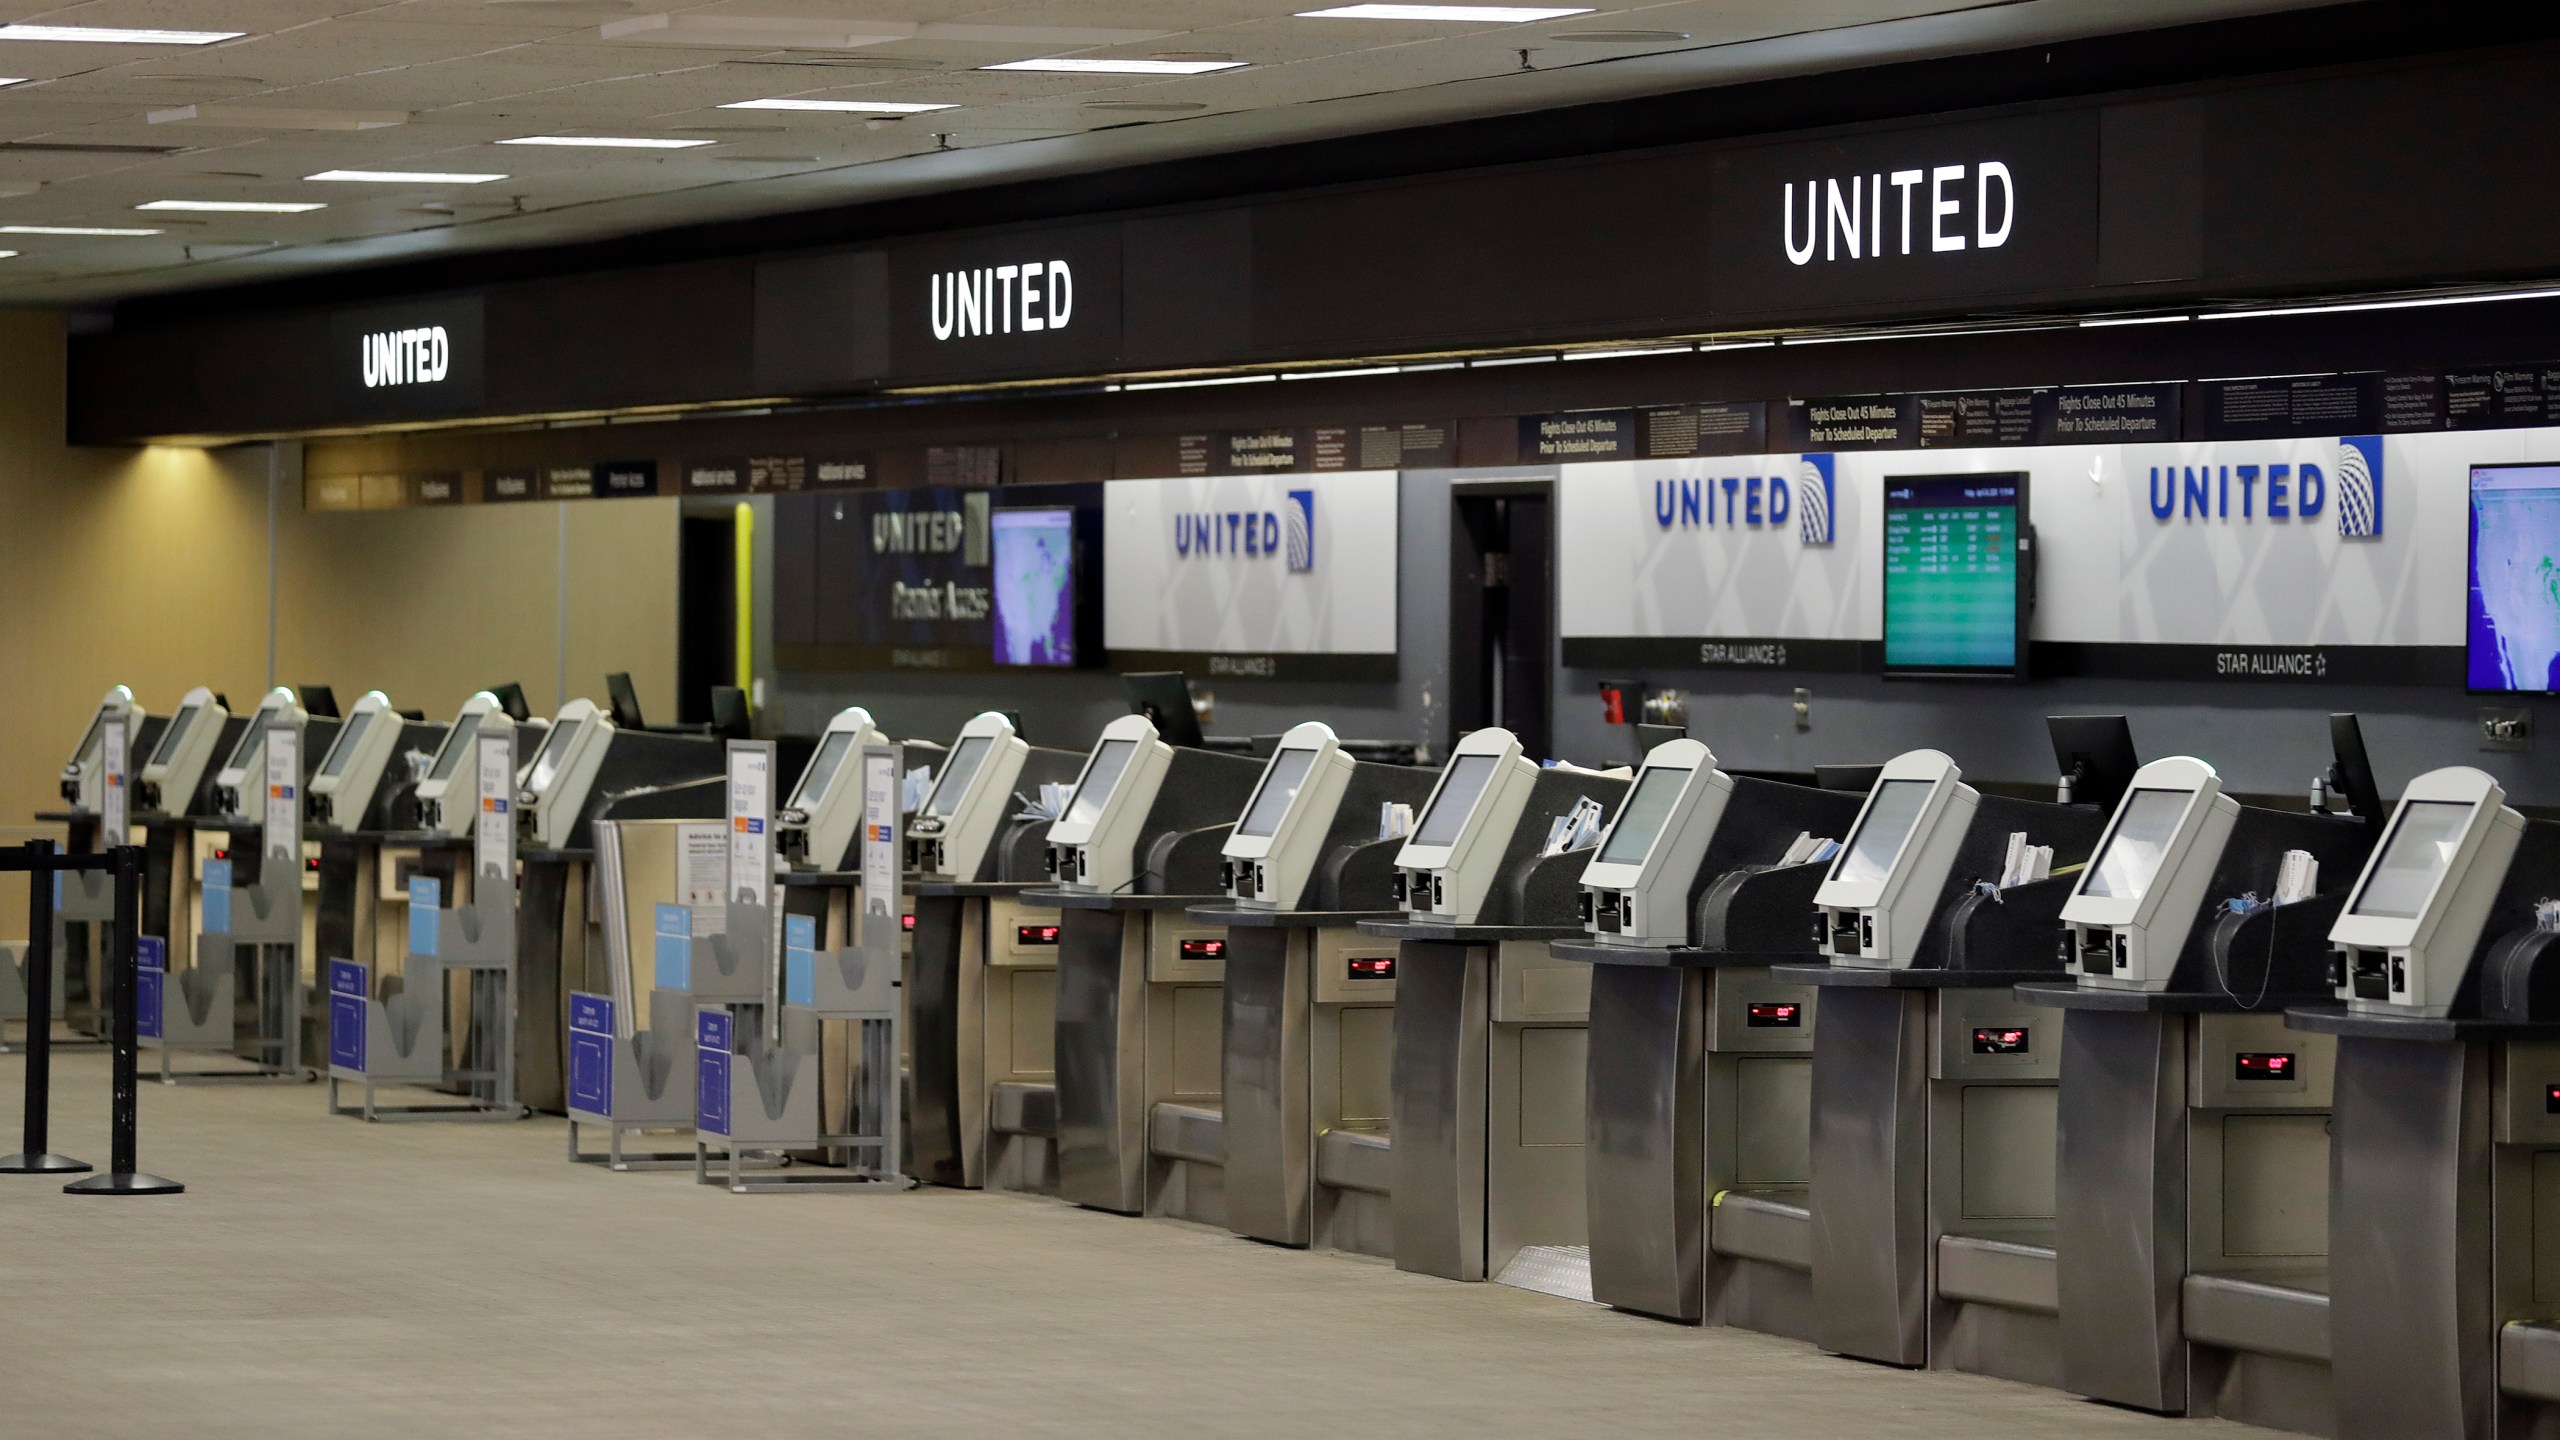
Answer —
(124, 1185)
(42, 1165)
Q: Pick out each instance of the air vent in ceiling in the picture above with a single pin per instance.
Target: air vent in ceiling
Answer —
(850, 62)
(65, 147)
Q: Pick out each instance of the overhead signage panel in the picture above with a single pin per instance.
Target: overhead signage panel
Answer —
(995, 305)
(1913, 215)
(427, 357)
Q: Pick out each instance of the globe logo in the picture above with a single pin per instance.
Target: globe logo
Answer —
(1814, 492)
(2360, 487)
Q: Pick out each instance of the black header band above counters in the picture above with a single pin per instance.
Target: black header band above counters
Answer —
(2256, 187)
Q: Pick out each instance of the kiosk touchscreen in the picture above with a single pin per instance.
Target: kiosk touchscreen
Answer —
(555, 788)
(80, 776)
(2129, 914)
(343, 788)
(1636, 888)
(2414, 922)
(818, 826)
(1875, 905)
(447, 772)
(950, 834)
(177, 763)
(1448, 866)
(1093, 844)
(1279, 839)
(248, 756)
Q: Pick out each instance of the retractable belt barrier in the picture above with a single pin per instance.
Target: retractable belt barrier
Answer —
(39, 858)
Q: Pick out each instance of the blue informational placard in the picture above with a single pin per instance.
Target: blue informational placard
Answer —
(349, 986)
(150, 972)
(216, 897)
(426, 910)
(151, 952)
(675, 947)
(711, 1072)
(590, 1053)
(799, 960)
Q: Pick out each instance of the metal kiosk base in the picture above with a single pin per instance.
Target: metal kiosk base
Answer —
(1932, 1168)
(1490, 1059)
(982, 988)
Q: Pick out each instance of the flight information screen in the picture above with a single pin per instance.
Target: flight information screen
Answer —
(1954, 592)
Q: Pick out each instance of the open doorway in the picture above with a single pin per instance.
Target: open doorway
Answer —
(1502, 609)
(706, 610)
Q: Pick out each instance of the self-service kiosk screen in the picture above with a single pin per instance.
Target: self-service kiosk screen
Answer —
(1280, 786)
(1447, 816)
(176, 734)
(456, 745)
(1640, 821)
(2422, 843)
(2125, 868)
(1891, 813)
(251, 739)
(957, 772)
(546, 762)
(1100, 779)
(80, 751)
(348, 739)
(822, 768)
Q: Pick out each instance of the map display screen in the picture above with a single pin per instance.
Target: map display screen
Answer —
(2511, 637)
(1034, 584)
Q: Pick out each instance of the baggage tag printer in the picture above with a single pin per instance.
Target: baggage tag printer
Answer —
(1635, 891)
(249, 758)
(176, 766)
(816, 830)
(80, 777)
(1874, 907)
(1448, 866)
(2413, 924)
(2143, 890)
(1275, 848)
(951, 832)
(444, 771)
(1093, 845)
(343, 790)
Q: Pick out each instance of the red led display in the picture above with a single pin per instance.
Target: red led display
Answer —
(2263, 1065)
(1773, 1015)
(907, 922)
(2000, 1040)
(1373, 967)
(1035, 934)
(1204, 949)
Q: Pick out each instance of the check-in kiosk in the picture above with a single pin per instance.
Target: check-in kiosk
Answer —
(169, 800)
(242, 789)
(249, 973)
(1485, 1168)
(2442, 1317)
(1138, 1005)
(1697, 1117)
(982, 982)
(1934, 1097)
(2192, 1164)
(98, 786)
(343, 791)
(583, 763)
(1309, 1002)
(446, 771)
(818, 825)
(171, 777)
(85, 769)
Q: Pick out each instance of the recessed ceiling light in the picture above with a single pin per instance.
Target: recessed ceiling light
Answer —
(70, 230)
(1621, 37)
(1082, 65)
(407, 177)
(106, 35)
(242, 207)
(8, 254)
(12, 80)
(856, 107)
(1482, 14)
(608, 142)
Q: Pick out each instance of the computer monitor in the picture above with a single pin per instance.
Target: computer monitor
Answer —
(2350, 772)
(1958, 576)
(2095, 753)
(510, 697)
(1165, 697)
(319, 701)
(730, 719)
(625, 701)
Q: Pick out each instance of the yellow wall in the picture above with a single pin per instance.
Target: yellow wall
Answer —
(427, 605)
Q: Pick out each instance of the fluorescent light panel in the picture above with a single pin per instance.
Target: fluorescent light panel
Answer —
(1082, 65)
(107, 35)
(853, 107)
(1513, 360)
(240, 207)
(1337, 374)
(1627, 353)
(406, 177)
(1477, 14)
(607, 142)
(2109, 321)
(71, 230)
(1195, 384)
(2418, 303)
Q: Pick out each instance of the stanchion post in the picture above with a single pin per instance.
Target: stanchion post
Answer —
(122, 1178)
(33, 1157)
